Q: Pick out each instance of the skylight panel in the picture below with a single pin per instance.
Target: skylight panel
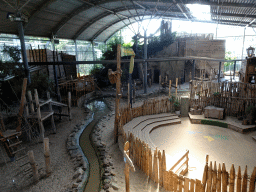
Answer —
(200, 12)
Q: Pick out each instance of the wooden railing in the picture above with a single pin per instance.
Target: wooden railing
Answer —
(184, 160)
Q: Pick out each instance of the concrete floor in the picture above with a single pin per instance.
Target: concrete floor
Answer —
(222, 145)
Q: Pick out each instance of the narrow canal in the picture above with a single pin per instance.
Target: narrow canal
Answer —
(99, 109)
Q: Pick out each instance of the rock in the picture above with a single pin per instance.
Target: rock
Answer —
(75, 185)
(72, 134)
(78, 172)
(114, 186)
(79, 179)
(106, 181)
(72, 147)
(106, 186)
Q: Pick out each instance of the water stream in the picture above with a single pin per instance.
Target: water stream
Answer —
(100, 109)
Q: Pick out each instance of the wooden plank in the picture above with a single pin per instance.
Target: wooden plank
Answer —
(205, 176)
(155, 167)
(232, 179)
(224, 178)
(252, 181)
(192, 185)
(244, 182)
(163, 163)
(209, 178)
(180, 182)
(219, 179)
(175, 182)
(160, 168)
(186, 185)
(214, 179)
(198, 186)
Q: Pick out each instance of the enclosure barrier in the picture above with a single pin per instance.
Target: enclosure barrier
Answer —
(153, 161)
(235, 97)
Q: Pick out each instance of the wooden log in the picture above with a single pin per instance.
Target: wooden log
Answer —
(150, 165)
(50, 108)
(198, 186)
(232, 179)
(30, 99)
(224, 178)
(22, 101)
(219, 179)
(244, 182)
(252, 181)
(163, 163)
(47, 156)
(170, 86)
(209, 178)
(33, 165)
(238, 181)
(127, 179)
(186, 185)
(40, 122)
(160, 168)
(214, 179)
(155, 167)
(180, 182)
(192, 185)
(205, 176)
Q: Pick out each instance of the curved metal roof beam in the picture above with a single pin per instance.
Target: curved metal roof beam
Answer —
(37, 10)
(64, 21)
(92, 21)
(207, 2)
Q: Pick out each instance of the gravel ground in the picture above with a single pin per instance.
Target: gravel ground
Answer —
(62, 168)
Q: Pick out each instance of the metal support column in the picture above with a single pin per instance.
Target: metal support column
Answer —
(243, 44)
(234, 69)
(76, 56)
(23, 50)
(219, 72)
(57, 90)
(145, 63)
(193, 70)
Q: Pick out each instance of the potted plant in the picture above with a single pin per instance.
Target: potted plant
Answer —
(177, 107)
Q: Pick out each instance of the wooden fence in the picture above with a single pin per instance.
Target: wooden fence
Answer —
(218, 179)
(77, 87)
(235, 97)
(153, 161)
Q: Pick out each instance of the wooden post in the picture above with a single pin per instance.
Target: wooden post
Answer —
(209, 179)
(219, 179)
(244, 185)
(128, 165)
(33, 165)
(50, 108)
(24, 87)
(155, 167)
(40, 122)
(170, 86)
(69, 105)
(163, 166)
(47, 156)
(159, 83)
(118, 92)
(232, 179)
(214, 179)
(160, 167)
(2, 122)
(128, 104)
(224, 178)
(186, 185)
(238, 181)
(252, 181)
(176, 87)
(31, 102)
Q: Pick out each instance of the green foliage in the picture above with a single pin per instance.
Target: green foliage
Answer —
(214, 123)
(228, 57)
(157, 44)
(13, 52)
(176, 105)
(172, 98)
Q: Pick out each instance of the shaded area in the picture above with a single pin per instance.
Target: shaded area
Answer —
(100, 109)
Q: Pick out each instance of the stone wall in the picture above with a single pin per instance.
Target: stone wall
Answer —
(189, 46)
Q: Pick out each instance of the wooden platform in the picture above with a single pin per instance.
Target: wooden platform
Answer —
(233, 123)
(142, 126)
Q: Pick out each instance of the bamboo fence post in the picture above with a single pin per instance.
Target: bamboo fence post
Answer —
(69, 106)
(219, 179)
(47, 156)
(232, 179)
(165, 183)
(163, 165)
(150, 165)
(252, 181)
(186, 185)
(127, 179)
(33, 165)
(198, 186)
(24, 87)
(209, 179)
(170, 87)
(205, 176)
(244, 183)
(155, 167)
(40, 122)
(180, 184)
(147, 160)
(192, 185)
(159, 83)
(175, 182)
(224, 178)
(214, 180)
(170, 181)
(160, 168)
